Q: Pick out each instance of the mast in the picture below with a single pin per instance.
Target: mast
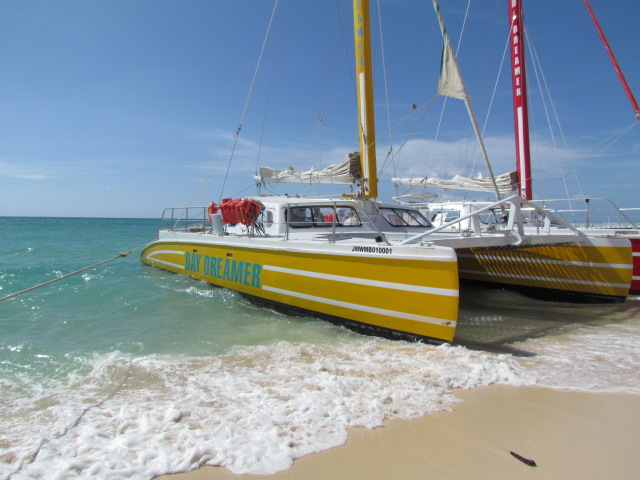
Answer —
(616, 67)
(521, 114)
(364, 81)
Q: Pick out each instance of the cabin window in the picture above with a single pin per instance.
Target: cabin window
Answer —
(399, 217)
(444, 216)
(322, 216)
(266, 218)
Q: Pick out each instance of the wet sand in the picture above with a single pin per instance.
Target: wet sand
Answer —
(568, 434)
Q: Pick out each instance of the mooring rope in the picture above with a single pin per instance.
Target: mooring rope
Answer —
(120, 255)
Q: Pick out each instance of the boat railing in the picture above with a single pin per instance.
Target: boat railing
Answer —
(593, 213)
(184, 219)
(515, 208)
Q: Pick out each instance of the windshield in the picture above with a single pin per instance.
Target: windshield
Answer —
(323, 216)
(400, 217)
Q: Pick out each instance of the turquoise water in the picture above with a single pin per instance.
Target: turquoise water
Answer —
(127, 371)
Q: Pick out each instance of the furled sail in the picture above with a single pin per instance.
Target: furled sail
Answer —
(346, 172)
(450, 83)
(506, 183)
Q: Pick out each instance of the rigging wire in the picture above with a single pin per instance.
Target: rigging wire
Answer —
(246, 103)
(234, 140)
(426, 107)
(612, 139)
(597, 149)
(386, 85)
(347, 53)
(264, 119)
(497, 82)
(544, 95)
(317, 130)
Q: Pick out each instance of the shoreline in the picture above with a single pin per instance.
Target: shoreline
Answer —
(569, 434)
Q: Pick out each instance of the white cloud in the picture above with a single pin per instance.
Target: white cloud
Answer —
(32, 176)
(23, 171)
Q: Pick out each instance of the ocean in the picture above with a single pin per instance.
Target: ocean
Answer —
(128, 371)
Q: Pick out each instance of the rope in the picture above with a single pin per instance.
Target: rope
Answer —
(120, 255)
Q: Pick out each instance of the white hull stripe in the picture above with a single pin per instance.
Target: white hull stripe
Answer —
(363, 281)
(548, 262)
(635, 254)
(337, 278)
(547, 279)
(164, 262)
(363, 308)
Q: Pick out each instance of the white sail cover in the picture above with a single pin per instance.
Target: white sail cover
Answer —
(506, 183)
(346, 172)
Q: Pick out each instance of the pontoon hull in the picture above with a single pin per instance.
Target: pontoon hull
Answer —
(404, 290)
(597, 269)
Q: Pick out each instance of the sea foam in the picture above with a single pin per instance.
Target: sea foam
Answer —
(252, 410)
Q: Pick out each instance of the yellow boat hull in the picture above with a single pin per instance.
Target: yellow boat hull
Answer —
(600, 268)
(398, 293)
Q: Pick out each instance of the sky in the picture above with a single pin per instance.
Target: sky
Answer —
(120, 108)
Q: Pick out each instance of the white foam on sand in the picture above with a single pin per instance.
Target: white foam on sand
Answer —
(253, 410)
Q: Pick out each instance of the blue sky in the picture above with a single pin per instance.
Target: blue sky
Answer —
(121, 108)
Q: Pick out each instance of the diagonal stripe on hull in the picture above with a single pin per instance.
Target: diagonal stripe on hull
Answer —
(152, 255)
(547, 262)
(545, 279)
(363, 308)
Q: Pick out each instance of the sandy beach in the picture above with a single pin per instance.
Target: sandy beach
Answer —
(569, 434)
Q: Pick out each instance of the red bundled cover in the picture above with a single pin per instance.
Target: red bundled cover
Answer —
(250, 210)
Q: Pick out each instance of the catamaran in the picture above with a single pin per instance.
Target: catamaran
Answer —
(328, 257)
(378, 268)
(555, 263)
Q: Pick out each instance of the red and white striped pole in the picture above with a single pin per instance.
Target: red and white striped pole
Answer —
(521, 114)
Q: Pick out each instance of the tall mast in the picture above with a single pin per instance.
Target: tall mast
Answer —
(364, 80)
(521, 114)
(616, 67)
